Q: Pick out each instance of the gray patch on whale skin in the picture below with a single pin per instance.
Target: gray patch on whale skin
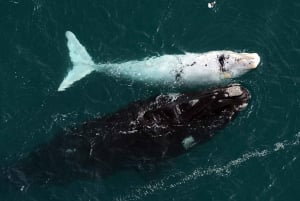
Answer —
(243, 106)
(188, 142)
(193, 102)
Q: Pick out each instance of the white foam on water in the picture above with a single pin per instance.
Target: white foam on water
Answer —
(225, 170)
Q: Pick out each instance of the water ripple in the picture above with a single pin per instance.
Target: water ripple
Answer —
(225, 170)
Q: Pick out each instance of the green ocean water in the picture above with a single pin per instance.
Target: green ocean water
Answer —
(256, 157)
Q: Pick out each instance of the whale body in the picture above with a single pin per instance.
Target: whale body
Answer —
(184, 69)
(145, 132)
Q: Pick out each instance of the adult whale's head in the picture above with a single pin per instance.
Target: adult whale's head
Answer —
(213, 107)
(178, 122)
(195, 115)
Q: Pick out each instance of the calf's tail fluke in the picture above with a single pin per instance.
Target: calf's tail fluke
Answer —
(81, 60)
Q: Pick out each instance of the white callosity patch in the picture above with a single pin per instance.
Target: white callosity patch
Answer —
(234, 91)
(70, 150)
(171, 97)
(188, 68)
(188, 142)
(243, 106)
(178, 110)
(193, 102)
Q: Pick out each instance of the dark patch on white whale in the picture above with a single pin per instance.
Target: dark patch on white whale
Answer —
(146, 132)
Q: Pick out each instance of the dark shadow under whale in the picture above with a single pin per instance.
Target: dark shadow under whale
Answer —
(146, 132)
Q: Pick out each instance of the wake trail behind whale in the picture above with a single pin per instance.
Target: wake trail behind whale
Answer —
(166, 183)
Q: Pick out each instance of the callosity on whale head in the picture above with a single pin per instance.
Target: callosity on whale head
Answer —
(145, 132)
(211, 108)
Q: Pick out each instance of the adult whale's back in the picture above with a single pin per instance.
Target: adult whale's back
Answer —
(188, 68)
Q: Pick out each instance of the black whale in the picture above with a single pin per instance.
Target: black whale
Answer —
(145, 132)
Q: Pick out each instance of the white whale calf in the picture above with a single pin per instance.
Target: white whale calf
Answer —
(186, 69)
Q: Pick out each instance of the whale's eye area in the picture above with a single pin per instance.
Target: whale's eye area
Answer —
(221, 59)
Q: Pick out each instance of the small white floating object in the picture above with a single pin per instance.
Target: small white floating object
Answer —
(212, 4)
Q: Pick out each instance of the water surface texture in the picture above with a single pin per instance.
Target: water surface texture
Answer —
(256, 157)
